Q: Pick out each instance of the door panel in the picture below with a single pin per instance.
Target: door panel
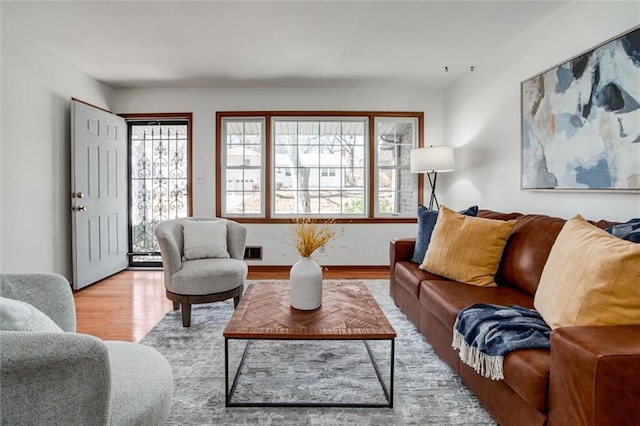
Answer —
(99, 194)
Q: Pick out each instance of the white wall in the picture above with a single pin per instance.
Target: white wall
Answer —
(359, 245)
(482, 116)
(35, 164)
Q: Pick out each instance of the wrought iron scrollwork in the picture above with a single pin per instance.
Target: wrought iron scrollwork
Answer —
(158, 180)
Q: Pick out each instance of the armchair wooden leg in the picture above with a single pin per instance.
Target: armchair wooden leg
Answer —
(238, 296)
(186, 314)
(185, 301)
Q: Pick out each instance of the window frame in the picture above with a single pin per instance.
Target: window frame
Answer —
(221, 181)
(267, 184)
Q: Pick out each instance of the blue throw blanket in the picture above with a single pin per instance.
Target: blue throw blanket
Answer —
(485, 333)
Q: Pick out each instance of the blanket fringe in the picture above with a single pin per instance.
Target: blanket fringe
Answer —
(486, 365)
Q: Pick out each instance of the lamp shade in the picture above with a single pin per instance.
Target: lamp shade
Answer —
(432, 159)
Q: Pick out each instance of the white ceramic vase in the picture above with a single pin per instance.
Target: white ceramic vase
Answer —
(305, 280)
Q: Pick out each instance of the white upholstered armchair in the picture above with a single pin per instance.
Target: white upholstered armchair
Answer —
(49, 374)
(202, 259)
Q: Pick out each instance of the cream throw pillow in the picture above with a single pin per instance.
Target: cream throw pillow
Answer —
(205, 239)
(16, 315)
(590, 278)
(467, 249)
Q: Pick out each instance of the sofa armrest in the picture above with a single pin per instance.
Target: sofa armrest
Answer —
(401, 249)
(595, 375)
(54, 378)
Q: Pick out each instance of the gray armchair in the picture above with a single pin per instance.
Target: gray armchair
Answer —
(212, 276)
(69, 378)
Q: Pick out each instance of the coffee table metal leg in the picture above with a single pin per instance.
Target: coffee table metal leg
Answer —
(230, 392)
(392, 370)
(388, 393)
(226, 372)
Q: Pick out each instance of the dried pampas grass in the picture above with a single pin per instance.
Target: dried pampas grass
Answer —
(310, 235)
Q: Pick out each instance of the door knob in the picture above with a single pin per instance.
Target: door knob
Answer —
(79, 208)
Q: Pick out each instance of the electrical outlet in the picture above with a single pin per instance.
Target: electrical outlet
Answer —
(200, 179)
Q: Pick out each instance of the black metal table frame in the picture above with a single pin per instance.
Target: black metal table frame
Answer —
(388, 392)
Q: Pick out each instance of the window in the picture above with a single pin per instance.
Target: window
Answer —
(395, 183)
(309, 148)
(243, 167)
(159, 163)
(352, 166)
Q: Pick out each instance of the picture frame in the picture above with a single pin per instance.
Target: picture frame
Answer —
(580, 121)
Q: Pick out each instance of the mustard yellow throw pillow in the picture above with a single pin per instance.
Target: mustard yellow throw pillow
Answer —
(590, 278)
(467, 249)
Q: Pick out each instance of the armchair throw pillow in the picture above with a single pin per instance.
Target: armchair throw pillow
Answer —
(205, 239)
(467, 249)
(16, 315)
(591, 278)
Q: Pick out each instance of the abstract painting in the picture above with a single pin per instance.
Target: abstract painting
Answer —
(581, 121)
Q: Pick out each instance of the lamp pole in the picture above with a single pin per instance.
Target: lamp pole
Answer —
(433, 198)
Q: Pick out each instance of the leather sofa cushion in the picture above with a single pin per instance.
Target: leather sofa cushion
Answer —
(525, 371)
(444, 299)
(490, 214)
(526, 252)
(408, 276)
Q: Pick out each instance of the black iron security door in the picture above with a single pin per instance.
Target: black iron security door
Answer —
(158, 183)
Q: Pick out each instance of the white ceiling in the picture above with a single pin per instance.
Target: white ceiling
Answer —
(241, 43)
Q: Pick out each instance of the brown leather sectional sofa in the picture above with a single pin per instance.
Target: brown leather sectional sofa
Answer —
(591, 376)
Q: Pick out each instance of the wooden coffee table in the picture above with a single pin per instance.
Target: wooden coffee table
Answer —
(348, 312)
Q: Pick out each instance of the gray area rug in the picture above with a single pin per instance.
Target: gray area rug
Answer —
(426, 391)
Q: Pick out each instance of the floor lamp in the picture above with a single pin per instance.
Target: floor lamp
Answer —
(432, 160)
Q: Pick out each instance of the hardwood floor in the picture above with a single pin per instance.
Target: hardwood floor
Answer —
(124, 306)
(127, 305)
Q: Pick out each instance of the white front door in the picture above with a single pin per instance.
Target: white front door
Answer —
(99, 194)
